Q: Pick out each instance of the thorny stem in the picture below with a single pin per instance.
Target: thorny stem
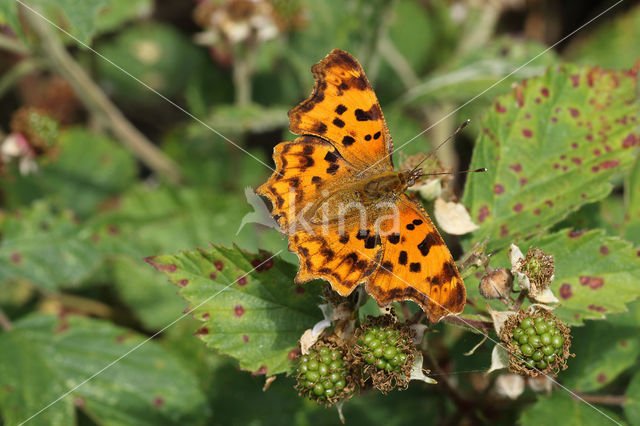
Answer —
(518, 302)
(5, 322)
(604, 399)
(97, 102)
(482, 325)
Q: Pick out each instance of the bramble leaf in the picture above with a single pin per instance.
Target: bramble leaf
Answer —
(550, 146)
(250, 307)
(46, 247)
(631, 223)
(600, 360)
(51, 355)
(561, 408)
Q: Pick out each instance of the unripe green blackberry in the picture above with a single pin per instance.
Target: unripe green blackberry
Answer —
(384, 353)
(323, 375)
(538, 342)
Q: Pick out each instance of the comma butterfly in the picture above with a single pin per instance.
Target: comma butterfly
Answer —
(335, 193)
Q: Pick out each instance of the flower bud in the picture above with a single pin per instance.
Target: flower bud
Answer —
(539, 269)
(496, 284)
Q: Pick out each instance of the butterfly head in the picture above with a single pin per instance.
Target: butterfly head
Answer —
(410, 177)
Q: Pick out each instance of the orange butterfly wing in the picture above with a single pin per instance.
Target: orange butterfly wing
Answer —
(307, 170)
(418, 266)
(343, 109)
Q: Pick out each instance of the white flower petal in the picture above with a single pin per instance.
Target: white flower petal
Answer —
(515, 254)
(546, 296)
(453, 218)
(510, 385)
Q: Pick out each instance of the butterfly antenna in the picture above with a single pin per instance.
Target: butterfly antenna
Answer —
(462, 126)
(482, 169)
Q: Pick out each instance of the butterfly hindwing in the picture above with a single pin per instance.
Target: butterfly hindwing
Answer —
(417, 265)
(344, 110)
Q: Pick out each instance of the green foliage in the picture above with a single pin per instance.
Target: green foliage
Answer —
(76, 295)
(50, 355)
(248, 303)
(46, 248)
(89, 169)
(153, 53)
(599, 361)
(562, 408)
(551, 145)
(611, 45)
(632, 403)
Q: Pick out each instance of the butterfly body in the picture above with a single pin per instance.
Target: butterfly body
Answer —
(337, 196)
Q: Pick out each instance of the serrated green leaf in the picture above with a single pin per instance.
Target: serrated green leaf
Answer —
(46, 247)
(613, 44)
(551, 145)
(89, 169)
(250, 307)
(600, 360)
(632, 403)
(45, 356)
(561, 408)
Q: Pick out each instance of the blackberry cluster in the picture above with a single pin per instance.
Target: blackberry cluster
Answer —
(323, 376)
(384, 354)
(540, 343)
(380, 348)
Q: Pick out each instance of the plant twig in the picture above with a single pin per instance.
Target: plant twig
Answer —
(482, 325)
(97, 102)
(5, 322)
(604, 399)
(13, 45)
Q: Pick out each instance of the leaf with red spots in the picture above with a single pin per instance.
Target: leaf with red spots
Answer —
(600, 360)
(595, 276)
(249, 304)
(46, 248)
(551, 147)
(148, 386)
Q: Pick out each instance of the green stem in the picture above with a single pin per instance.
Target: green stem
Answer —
(98, 103)
(242, 73)
(26, 66)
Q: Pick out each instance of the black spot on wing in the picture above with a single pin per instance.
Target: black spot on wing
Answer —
(331, 157)
(372, 114)
(403, 258)
(348, 140)
(319, 128)
(338, 123)
(344, 239)
(340, 109)
(430, 240)
(414, 267)
(332, 168)
(411, 226)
